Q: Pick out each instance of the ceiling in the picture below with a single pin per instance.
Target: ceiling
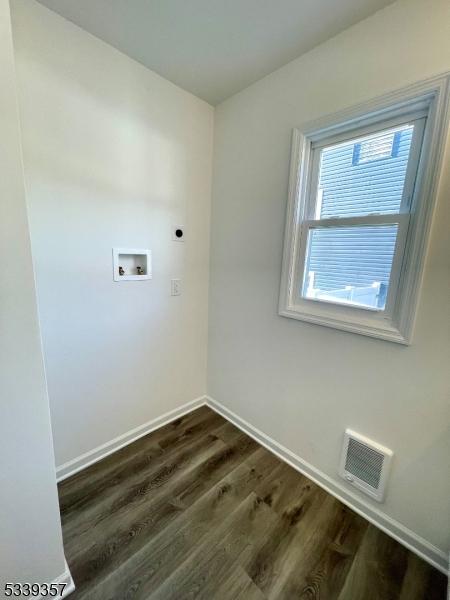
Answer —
(214, 48)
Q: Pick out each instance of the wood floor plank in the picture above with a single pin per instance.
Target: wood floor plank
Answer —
(327, 557)
(378, 569)
(88, 478)
(121, 528)
(197, 509)
(421, 581)
(227, 432)
(101, 478)
(147, 569)
(209, 565)
(180, 441)
(139, 486)
(269, 567)
(239, 586)
(129, 529)
(286, 490)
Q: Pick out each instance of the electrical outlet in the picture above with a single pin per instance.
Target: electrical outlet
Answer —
(175, 287)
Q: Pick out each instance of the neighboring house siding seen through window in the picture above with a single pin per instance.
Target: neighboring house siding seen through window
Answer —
(362, 194)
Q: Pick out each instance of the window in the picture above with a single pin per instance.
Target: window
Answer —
(358, 210)
(361, 199)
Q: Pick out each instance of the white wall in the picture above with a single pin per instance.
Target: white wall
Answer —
(300, 383)
(30, 531)
(114, 155)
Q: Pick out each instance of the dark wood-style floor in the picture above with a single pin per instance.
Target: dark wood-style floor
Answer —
(199, 510)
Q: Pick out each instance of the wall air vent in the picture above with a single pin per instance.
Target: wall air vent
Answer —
(365, 464)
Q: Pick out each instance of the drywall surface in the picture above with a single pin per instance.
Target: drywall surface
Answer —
(30, 531)
(303, 384)
(114, 156)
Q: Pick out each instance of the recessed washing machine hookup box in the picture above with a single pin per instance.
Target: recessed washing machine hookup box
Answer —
(132, 264)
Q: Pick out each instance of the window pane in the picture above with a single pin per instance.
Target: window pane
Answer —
(350, 265)
(364, 175)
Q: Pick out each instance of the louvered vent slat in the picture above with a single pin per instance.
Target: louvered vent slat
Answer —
(365, 464)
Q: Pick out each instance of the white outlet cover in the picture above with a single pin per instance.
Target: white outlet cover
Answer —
(175, 233)
(175, 287)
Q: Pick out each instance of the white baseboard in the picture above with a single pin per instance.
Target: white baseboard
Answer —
(66, 578)
(434, 556)
(89, 458)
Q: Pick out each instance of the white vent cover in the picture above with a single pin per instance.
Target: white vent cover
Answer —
(365, 464)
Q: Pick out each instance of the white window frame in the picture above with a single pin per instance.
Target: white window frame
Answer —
(428, 104)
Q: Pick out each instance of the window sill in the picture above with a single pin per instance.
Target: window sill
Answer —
(380, 330)
(346, 303)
